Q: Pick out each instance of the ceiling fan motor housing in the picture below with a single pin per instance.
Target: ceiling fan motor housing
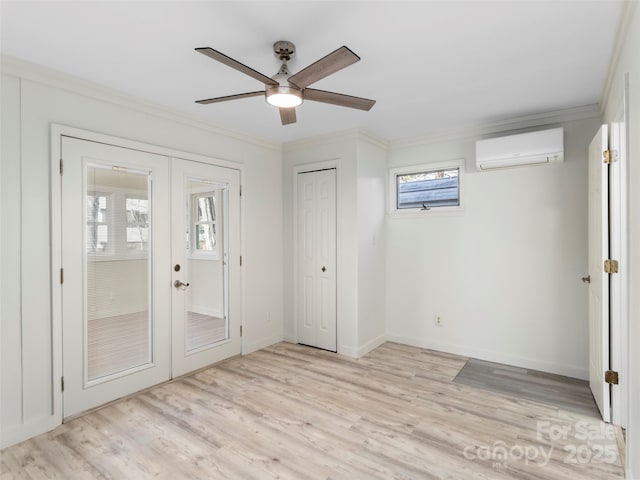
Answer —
(284, 50)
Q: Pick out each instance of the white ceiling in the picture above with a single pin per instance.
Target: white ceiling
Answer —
(432, 66)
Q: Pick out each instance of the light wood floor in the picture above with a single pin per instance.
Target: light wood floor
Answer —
(563, 392)
(294, 412)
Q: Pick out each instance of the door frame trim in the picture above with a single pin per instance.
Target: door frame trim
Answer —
(306, 168)
(619, 250)
(57, 132)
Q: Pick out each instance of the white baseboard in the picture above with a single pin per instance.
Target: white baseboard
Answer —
(371, 345)
(493, 356)
(262, 343)
(348, 351)
(289, 337)
(25, 431)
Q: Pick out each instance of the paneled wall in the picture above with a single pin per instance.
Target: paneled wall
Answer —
(32, 99)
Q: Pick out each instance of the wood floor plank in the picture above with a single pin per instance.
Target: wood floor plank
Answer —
(563, 392)
(294, 412)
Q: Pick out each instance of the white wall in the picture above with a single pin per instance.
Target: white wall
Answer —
(372, 174)
(205, 294)
(504, 274)
(13, 373)
(32, 99)
(628, 61)
(117, 287)
(361, 162)
(342, 150)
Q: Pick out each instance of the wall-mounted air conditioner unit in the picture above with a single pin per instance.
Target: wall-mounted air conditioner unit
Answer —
(544, 146)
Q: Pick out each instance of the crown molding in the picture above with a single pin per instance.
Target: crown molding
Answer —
(53, 78)
(526, 121)
(353, 134)
(621, 35)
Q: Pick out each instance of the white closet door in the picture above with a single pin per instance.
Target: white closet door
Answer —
(116, 288)
(205, 211)
(316, 242)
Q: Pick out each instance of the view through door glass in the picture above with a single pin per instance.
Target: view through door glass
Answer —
(205, 318)
(119, 320)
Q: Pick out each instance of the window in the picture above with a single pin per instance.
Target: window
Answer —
(97, 222)
(426, 188)
(204, 222)
(137, 210)
(117, 224)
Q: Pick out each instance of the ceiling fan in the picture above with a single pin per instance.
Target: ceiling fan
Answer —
(287, 91)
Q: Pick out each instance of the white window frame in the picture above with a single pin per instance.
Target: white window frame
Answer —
(131, 194)
(110, 250)
(193, 252)
(424, 168)
(116, 202)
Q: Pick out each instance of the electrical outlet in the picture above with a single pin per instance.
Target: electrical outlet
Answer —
(439, 321)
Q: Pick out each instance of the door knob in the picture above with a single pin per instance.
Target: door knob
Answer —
(179, 284)
(586, 279)
(324, 269)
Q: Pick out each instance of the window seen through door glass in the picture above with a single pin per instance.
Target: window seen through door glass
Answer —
(205, 222)
(137, 210)
(97, 223)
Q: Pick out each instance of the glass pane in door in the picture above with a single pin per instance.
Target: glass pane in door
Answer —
(205, 317)
(118, 233)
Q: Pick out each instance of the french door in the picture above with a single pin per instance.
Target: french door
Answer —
(148, 291)
(206, 282)
(116, 287)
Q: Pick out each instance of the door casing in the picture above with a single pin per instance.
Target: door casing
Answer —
(598, 251)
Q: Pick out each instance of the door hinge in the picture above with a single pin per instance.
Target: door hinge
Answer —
(61, 167)
(62, 383)
(611, 377)
(609, 156)
(610, 266)
(240, 330)
(61, 276)
(240, 260)
(240, 190)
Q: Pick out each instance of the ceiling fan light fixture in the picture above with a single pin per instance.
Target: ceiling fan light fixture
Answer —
(285, 91)
(283, 96)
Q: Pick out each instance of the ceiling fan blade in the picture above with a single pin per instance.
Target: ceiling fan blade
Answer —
(336, 60)
(338, 99)
(288, 115)
(230, 97)
(230, 62)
